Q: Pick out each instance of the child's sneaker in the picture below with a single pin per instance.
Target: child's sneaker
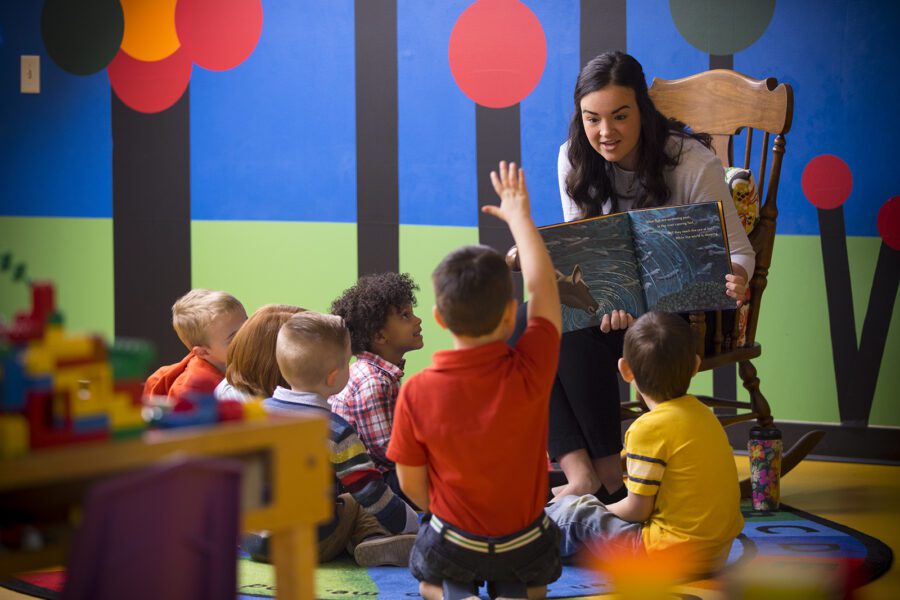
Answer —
(387, 550)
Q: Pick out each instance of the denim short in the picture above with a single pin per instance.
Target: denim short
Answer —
(435, 558)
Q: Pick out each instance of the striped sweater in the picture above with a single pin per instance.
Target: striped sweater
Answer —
(354, 470)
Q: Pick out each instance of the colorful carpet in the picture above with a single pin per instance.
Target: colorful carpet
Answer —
(787, 541)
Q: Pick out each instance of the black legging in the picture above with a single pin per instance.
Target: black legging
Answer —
(584, 402)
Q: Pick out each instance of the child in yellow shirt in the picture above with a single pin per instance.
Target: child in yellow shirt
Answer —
(681, 478)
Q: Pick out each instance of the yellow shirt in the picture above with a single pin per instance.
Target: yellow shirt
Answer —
(679, 453)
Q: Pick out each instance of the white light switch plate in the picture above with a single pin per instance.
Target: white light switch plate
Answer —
(31, 74)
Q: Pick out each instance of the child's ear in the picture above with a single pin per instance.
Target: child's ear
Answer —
(509, 315)
(625, 370)
(332, 375)
(696, 364)
(437, 317)
(201, 351)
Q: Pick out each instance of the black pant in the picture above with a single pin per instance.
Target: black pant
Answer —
(584, 402)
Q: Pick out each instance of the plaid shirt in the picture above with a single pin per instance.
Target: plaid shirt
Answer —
(367, 403)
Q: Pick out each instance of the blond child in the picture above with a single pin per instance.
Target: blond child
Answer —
(681, 478)
(370, 522)
(470, 431)
(205, 321)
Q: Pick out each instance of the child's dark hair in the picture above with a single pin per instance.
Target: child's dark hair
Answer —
(365, 307)
(660, 351)
(472, 287)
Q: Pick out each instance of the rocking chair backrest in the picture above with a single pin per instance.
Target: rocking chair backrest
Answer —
(722, 103)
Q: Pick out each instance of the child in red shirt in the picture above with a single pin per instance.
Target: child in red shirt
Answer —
(470, 431)
(205, 322)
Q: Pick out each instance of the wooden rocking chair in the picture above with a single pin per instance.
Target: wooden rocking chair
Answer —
(723, 103)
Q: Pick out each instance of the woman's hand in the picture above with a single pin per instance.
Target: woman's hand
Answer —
(617, 319)
(736, 284)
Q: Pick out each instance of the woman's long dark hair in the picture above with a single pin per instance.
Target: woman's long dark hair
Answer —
(589, 183)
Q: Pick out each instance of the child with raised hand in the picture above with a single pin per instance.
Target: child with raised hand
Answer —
(681, 478)
(378, 311)
(470, 431)
(313, 354)
(205, 321)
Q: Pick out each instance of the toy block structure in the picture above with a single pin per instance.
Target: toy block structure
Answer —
(61, 388)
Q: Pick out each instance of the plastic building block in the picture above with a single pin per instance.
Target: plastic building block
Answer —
(42, 300)
(12, 384)
(44, 432)
(55, 347)
(130, 358)
(90, 387)
(253, 409)
(203, 412)
(13, 436)
(90, 423)
(134, 388)
(230, 410)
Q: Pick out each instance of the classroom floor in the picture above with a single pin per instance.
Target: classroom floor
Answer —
(864, 497)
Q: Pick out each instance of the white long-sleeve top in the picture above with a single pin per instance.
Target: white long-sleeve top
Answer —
(698, 177)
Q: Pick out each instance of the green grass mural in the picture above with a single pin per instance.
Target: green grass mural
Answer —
(76, 255)
(309, 264)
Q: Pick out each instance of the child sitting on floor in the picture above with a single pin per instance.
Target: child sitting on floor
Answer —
(378, 311)
(313, 353)
(205, 322)
(470, 431)
(681, 478)
(252, 370)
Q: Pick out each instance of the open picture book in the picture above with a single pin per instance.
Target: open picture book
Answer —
(672, 258)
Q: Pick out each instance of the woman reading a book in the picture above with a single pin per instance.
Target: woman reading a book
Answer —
(621, 154)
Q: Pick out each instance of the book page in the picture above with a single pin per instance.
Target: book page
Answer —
(683, 257)
(596, 269)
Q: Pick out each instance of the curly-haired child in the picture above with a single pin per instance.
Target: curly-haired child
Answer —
(378, 311)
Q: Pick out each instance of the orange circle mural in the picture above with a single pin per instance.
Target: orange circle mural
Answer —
(149, 29)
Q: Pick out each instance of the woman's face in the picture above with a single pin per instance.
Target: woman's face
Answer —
(612, 124)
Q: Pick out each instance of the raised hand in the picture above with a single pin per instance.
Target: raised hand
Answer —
(537, 270)
(510, 186)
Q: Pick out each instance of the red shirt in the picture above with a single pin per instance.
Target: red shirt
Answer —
(478, 419)
(192, 374)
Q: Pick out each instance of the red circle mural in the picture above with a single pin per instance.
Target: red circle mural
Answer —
(497, 52)
(150, 87)
(827, 181)
(218, 34)
(889, 222)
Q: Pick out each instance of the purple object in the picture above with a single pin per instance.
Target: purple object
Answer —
(169, 531)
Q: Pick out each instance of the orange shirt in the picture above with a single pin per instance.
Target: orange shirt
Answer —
(192, 374)
(478, 419)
